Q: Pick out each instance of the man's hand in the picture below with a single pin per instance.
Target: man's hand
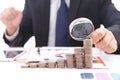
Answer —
(11, 18)
(104, 40)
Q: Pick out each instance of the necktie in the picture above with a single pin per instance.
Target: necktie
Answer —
(61, 25)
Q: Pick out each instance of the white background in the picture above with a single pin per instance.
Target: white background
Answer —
(19, 4)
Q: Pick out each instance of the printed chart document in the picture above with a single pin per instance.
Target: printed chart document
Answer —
(99, 71)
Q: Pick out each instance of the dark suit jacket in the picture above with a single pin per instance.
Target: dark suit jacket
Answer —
(35, 20)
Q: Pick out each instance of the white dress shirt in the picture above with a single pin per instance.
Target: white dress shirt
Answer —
(54, 6)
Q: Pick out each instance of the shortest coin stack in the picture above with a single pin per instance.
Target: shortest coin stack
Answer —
(32, 64)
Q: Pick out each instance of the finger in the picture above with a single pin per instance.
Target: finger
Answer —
(9, 14)
(112, 46)
(104, 41)
(19, 13)
(98, 34)
(13, 13)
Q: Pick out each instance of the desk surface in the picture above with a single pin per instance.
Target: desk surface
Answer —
(13, 71)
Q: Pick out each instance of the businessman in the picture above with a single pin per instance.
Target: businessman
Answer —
(40, 19)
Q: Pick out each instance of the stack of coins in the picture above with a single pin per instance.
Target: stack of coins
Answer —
(88, 62)
(33, 65)
(70, 60)
(60, 63)
(42, 64)
(52, 64)
(88, 53)
(79, 57)
(77, 50)
(25, 66)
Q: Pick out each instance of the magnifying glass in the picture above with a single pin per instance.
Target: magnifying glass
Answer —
(81, 29)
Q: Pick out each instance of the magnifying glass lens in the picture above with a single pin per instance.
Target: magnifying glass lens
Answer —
(82, 30)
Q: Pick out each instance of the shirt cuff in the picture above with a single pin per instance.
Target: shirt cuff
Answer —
(11, 38)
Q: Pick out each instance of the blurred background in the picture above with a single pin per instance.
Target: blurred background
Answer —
(19, 4)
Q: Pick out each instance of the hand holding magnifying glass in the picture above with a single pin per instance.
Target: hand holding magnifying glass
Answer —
(83, 28)
(104, 39)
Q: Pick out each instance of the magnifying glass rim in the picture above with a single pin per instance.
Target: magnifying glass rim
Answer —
(78, 21)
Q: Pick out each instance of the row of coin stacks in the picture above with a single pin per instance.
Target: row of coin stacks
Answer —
(81, 58)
